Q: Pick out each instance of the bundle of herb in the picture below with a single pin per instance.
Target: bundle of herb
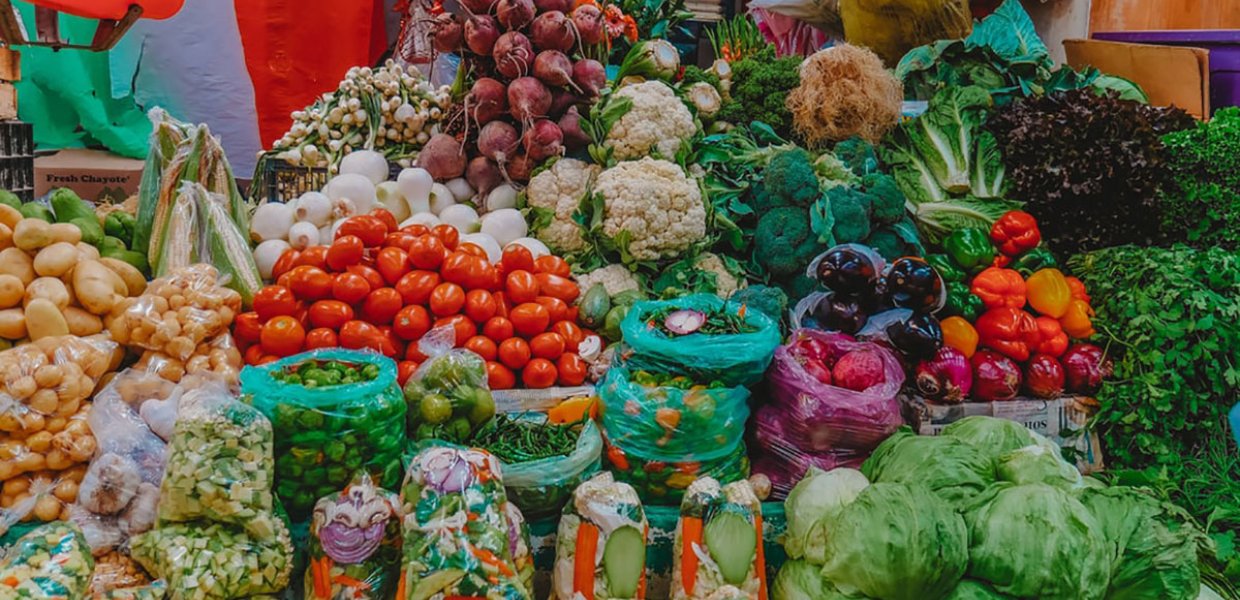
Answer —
(759, 90)
(1201, 207)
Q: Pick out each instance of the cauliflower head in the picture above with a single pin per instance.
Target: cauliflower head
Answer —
(726, 282)
(651, 208)
(556, 192)
(616, 279)
(658, 120)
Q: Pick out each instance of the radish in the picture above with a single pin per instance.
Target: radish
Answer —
(544, 6)
(590, 76)
(481, 31)
(543, 140)
(513, 54)
(552, 31)
(498, 141)
(588, 20)
(483, 175)
(553, 68)
(443, 157)
(446, 33)
(561, 101)
(528, 99)
(519, 167)
(489, 98)
(570, 126)
(478, 6)
(514, 14)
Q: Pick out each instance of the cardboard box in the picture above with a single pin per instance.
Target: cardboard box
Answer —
(10, 71)
(1170, 75)
(1064, 421)
(95, 175)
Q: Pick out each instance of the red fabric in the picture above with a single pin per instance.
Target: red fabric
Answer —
(112, 9)
(296, 50)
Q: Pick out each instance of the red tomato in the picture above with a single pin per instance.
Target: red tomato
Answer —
(350, 288)
(539, 374)
(557, 287)
(369, 228)
(330, 314)
(386, 217)
(253, 354)
(314, 256)
(448, 235)
(521, 286)
(463, 327)
(447, 299)
(502, 305)
(514, 353)
(486, 277)
(482, 346)
(498, 329)
(416, 286)
(356, 335)
(372, 276)
(283, 280)
(399, 239)
(381, 306)
(414, 352)
(404, 370)
(274, 301)
(571, 332)
(572, 369)
(552, 264)
(395, 346)
(321, 338)
(548, 345)
(573, 313)
(411, 323)
(499, 377)
(470, 272)
(284, 263)
(392, 264)
(472, 249)
(416, 229)
(555, 307)
(267, 359)
(517, 258)
(346, 251)
(427, 252)
(529, 319)
(302, 315)
(282, 336)
(247, 326)
(479, 305)
(310, 283)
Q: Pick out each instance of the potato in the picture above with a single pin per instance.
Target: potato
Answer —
(82, 323)
(17, 263)
(134, 280)
(32, 234)
(65, 232)
(47, 288)
(44, 319)
(87, 251)
(12, 323)
(56, 260)
(10, 216)
(6, 236)
(12, 290)
(97, 287)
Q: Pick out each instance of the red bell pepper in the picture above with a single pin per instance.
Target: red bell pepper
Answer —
(1015, 233)
(1051, 338)
(1009, 331)
(1078, 288)
(999, 287)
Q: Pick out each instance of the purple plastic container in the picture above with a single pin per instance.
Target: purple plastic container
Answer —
(1224, 47)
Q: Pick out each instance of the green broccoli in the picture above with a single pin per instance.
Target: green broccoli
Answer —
(889, 243)
(851, 209)
(694, 74)
(762, 201)
(783, 242)
(800, 287)
(886, 199)
(760, 85)
(858, 154)
(770, 301)
(790, 176)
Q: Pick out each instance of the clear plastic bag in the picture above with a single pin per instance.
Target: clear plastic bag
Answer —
(218, 356)
(448, 397)
(45, 383)
(541, 488)
(519, 546)
(714, 529)
(817, 417)
(51, 562)
(784, 466)
(325, 435)
(735, 359)
(41, 496)
(354, 544)
(177, 312)
(214, 561)
(156, 590)
(605, 531)
(662, 482)
(456, 529)
(115, 574)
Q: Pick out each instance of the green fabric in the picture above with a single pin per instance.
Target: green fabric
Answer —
(64, 95)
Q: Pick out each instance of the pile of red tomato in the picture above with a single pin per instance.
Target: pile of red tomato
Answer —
(381, 287)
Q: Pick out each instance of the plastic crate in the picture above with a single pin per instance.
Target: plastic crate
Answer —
(283, 182)
(17, 159)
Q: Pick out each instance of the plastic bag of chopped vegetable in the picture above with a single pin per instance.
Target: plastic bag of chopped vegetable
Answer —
(334, 412)
(519, 546)
(703, 336)
(543, 462)
(663, 482)
(600, 549)
(448, 397)
(216, 561)
(456, 529)
(51, 562)
(354, 544)
(718, 542)
(220, 466)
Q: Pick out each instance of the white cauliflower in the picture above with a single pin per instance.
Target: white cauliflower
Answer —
(658, 120)
(616, 279)
(559, 190)
(651, 207)
(726, 282)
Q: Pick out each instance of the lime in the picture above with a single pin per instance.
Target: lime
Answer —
(458, 430)
(435, 408)
(483, 407)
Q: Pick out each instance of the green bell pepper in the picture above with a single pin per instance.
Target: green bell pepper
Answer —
(946, 268)
(961, 302)
(1034, 260)
(970, 248)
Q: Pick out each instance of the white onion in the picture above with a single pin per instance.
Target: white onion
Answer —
(354, 187)
(266, 255)
(506, 225)
(486, 242)
(536, 247)
(314, 207)
(389, 197)
(460, 189)
(368, 163)
(441, 197)
(271, 221)
(461, 216)
(302, 235)
(503, 196)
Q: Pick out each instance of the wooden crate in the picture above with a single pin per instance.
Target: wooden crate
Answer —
(10, 72)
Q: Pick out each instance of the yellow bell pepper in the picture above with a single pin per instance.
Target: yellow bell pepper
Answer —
(959, 334)
(1049, 293)
(1076, 321)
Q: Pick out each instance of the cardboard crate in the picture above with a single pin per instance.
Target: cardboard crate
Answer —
(1064, 421)
(94, 175)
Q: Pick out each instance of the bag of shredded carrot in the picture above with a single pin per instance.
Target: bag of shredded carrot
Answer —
(604, 515)
(718, 543)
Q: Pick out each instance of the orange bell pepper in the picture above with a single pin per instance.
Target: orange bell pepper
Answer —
(1051, 338)
(1078, 288)
(1009, 331)
(1000, 288)
(960, 334)
(1077, 321)
(1049, 293)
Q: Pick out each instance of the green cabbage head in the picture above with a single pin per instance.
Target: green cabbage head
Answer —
(800, 580)
(975, 590)
(951, 468)
(818, 495)
(1039, 463)
(992, 436)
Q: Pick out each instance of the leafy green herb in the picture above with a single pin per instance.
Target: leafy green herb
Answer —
(1201, 206)
(759, 90)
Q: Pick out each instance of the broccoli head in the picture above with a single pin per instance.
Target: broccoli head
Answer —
(791, 176)
(858, 154)
(759, 90)
(886, 199)
(893, 241)
(783, 242)
(763, 201)
(851, 209)
(770, 301)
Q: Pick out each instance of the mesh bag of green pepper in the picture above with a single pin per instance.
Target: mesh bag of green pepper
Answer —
(214, 561)
(220, 465)
(52, 562)
(543, 462)
(704, 336)
(662, 482)
(448, 397)
(457, 539)
(600, 548)
(354, 544)
(334, 412)
(718, 544)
